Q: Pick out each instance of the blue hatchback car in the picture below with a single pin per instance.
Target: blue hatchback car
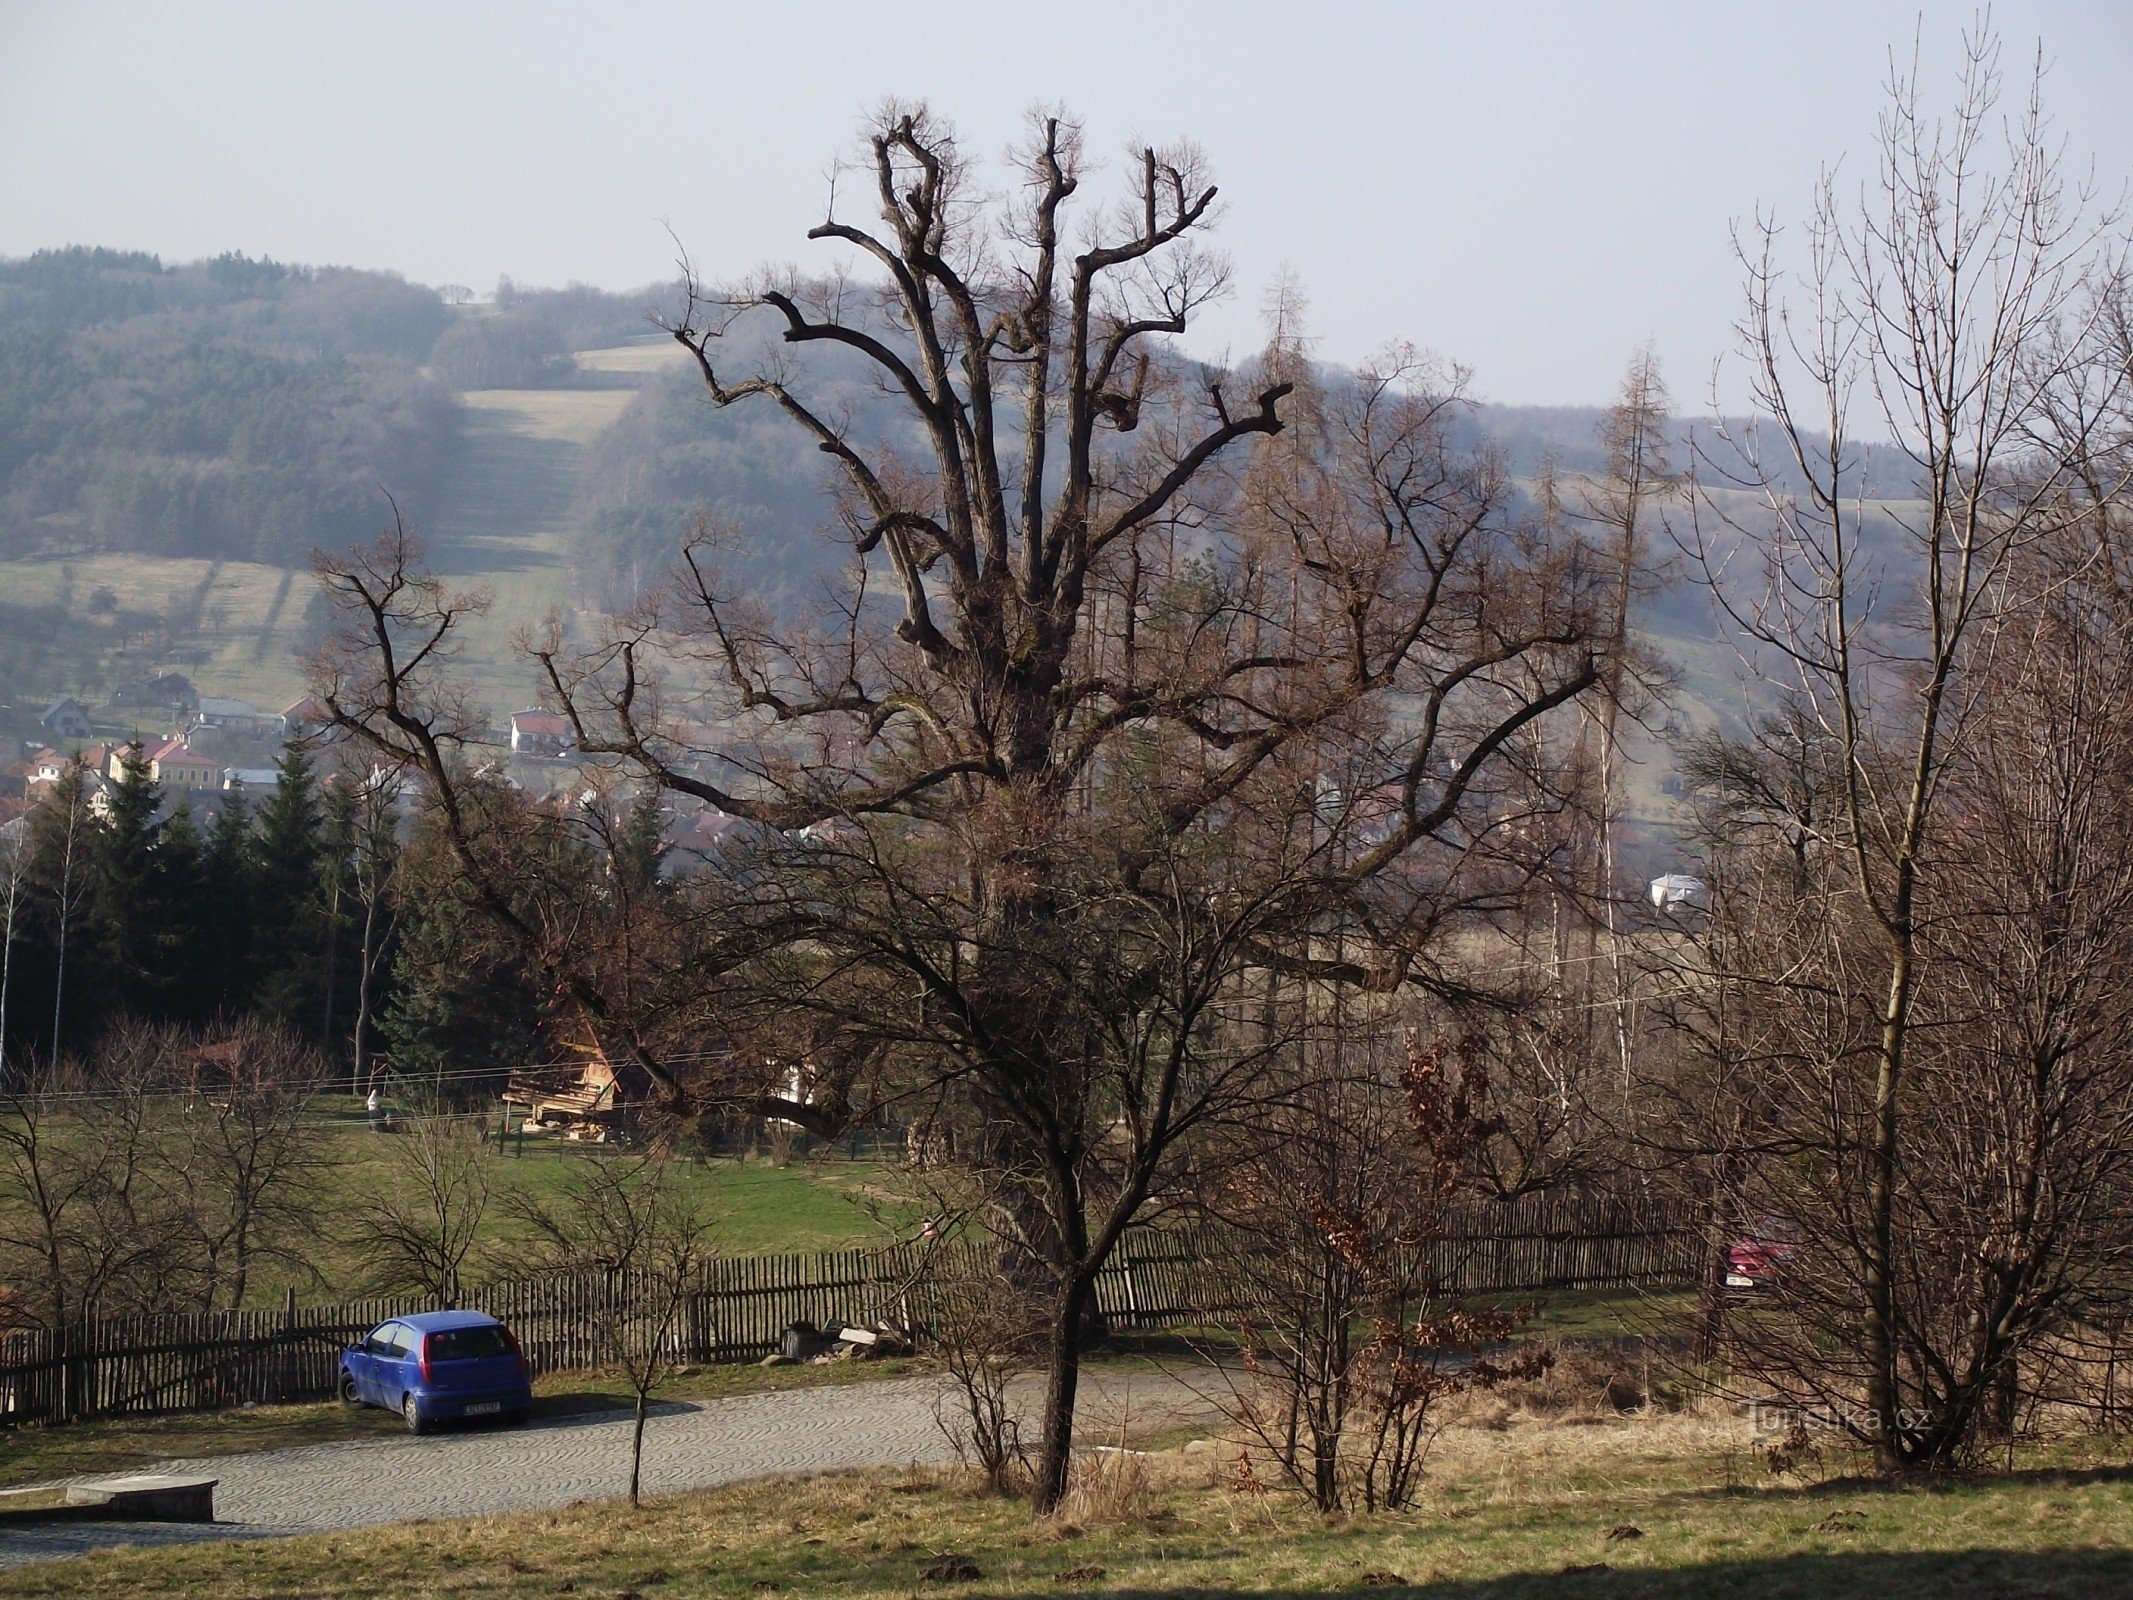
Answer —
(438, 1365)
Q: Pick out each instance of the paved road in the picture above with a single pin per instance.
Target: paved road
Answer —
(688, 1445)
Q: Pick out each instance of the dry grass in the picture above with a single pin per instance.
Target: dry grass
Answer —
(1668, 1504)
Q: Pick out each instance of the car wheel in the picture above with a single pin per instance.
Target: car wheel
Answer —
(518, 1418)
(412, 1414)
(349, 1397)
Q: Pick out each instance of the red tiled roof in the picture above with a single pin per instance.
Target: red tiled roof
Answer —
(169, 750)
(540, 722)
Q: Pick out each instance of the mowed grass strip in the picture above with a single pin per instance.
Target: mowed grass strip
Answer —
(1535, 1510)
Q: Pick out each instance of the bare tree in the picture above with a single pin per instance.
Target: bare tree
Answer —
(629, 1218)
(246, 1151)
(1954, 312)
(15, 848)
(426, 1222)
(1630, 505)
(1096, 723)
(90, 1218)
(377, 854)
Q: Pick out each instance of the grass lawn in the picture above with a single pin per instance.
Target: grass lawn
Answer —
(831, 1203)
(1605, 1313)
(1666, 1506)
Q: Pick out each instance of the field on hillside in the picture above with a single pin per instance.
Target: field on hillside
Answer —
(650, 355)
(499, 525)
(249, 619)
(502, 523)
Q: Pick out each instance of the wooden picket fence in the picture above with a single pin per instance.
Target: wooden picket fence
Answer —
(1159, 1277)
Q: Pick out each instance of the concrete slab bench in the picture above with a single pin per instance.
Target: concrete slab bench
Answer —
(148, 1497)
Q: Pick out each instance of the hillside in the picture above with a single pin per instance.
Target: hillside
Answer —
(175, 440)
(553, 450)
(503, 522)
(499, 518)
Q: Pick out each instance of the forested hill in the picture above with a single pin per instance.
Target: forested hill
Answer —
(176, 439)
(230, 409)
(244, 410)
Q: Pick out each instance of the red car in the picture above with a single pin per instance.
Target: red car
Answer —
(1755, 1260)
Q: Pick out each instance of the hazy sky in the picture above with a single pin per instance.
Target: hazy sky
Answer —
(1532, 189)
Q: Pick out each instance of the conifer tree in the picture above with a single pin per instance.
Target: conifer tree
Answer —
(462, 1001)
(178, 943)
(288, 918)
(122, 903)
(640, 851)
(228, 959)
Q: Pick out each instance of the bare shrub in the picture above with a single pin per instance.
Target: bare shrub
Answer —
(421, 1231)
(986, 1333)
(1349, 1357)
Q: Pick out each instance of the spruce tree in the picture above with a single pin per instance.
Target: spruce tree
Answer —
(458, 1009)
(288, 917)
(123, 918)
(640, 852)
(460, 1003)
(180, 946)
(229, 961)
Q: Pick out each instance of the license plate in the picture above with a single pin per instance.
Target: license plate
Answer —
(485, 1408)
(1735, 1281)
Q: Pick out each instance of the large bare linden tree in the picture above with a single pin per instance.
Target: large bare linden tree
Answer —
(1145, 681)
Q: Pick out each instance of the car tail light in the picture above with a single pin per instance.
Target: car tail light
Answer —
(426, 1356)
(511, 1339)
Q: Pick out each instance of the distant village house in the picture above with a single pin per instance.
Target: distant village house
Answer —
(165, 691)
(177, 765)
(537, 733)
(300, 719)
(65, 719)
(228, 716)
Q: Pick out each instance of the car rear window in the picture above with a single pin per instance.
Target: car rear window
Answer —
(468, 1344)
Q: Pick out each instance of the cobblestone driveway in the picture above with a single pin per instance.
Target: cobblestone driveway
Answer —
(688, 1445)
